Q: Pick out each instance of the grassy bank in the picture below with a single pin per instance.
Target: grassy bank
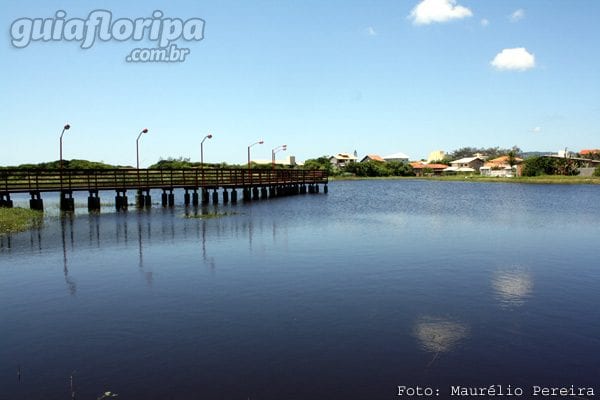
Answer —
(18, 219)
(545, 179)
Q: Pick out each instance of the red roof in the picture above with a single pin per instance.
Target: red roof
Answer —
(374, 157)
(589, 151)
(417, 165)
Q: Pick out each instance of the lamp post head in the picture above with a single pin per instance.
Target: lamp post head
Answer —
(209, 136)
(284, 147)
(145, 130)
(67, 127)
(261, 142)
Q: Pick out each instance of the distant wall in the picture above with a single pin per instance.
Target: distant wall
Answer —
(586, 171)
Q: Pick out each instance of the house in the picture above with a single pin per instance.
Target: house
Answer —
(467, 164)
(398, 157)
(422, 169)
(436, 155)
(372, 157)
(500, 167)
(342, 159)
(289, 161)
(589, 152)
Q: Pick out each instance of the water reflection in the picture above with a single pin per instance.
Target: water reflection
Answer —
(67, 219)
(439, 335)
(512, 288)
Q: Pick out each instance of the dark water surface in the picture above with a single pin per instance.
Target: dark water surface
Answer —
(338, 296)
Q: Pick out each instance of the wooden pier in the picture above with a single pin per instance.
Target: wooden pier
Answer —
(201, 185)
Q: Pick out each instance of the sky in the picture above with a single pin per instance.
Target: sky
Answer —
(323, 77)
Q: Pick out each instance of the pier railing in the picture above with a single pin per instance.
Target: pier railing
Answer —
(36, 180)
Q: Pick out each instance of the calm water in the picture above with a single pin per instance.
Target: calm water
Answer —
(338, 296)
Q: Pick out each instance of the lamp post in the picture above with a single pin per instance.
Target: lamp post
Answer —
(65, 128)
(209, 136)
(259, 142)
(274, 151)
(137, 149)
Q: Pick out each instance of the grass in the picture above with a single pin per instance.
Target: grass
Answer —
(14, 220)
(544, 179)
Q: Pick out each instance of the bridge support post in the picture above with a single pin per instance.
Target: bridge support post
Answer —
(325, 189)
(140, 201)
(67, 203)
(93, 201)
(233, 196)
(311, 188)
(246, 194)
(205, 196)
(186, 198)
(121, 203)
(215, 196)
(195, 198)
(36, 202)
(164, 198)
(272, 191)
(255, 193)
(147, 199)
(263, 192)
(225, 196)
(303, 189)
(5, 200)
(317, 188)
(171, 198)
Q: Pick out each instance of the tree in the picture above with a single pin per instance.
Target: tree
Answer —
(319, 163)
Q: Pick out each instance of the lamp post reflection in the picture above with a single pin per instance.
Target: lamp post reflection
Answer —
(71, 285)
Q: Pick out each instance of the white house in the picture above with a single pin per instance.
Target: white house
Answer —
(400, 157)
(467, 164)
(342, 159)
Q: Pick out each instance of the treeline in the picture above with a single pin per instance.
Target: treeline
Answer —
(182, 163)
(364, 169)
(67, 164)
(489, 152)
(536, 166)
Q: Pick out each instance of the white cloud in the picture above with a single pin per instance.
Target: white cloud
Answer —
(371, 31)
(428, 11)
(485, 22)
(514, 59)
(517, 15)
(537, 129)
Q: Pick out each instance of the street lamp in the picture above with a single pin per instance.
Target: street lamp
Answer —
(65, 128)
(274, 151)
(259, 142)
(137, 148)
(209, 136)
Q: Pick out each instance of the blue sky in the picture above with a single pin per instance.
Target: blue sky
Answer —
(322, 77)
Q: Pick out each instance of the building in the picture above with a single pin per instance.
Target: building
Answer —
(589, 152)
(342, 159)
(398, 157)
(500, 167)
(372, 157)
(467, 164)
(436, 155)
(289, 161)
(422, 169)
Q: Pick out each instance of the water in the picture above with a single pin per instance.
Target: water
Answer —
(338, 296)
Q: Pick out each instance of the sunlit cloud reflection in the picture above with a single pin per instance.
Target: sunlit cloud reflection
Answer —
(512, 288)
(439, 335)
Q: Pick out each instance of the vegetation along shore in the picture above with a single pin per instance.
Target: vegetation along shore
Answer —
(17, 219)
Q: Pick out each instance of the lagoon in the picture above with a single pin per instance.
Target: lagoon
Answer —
(347, 295)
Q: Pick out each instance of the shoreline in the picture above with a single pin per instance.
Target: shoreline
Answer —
(533, 180)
